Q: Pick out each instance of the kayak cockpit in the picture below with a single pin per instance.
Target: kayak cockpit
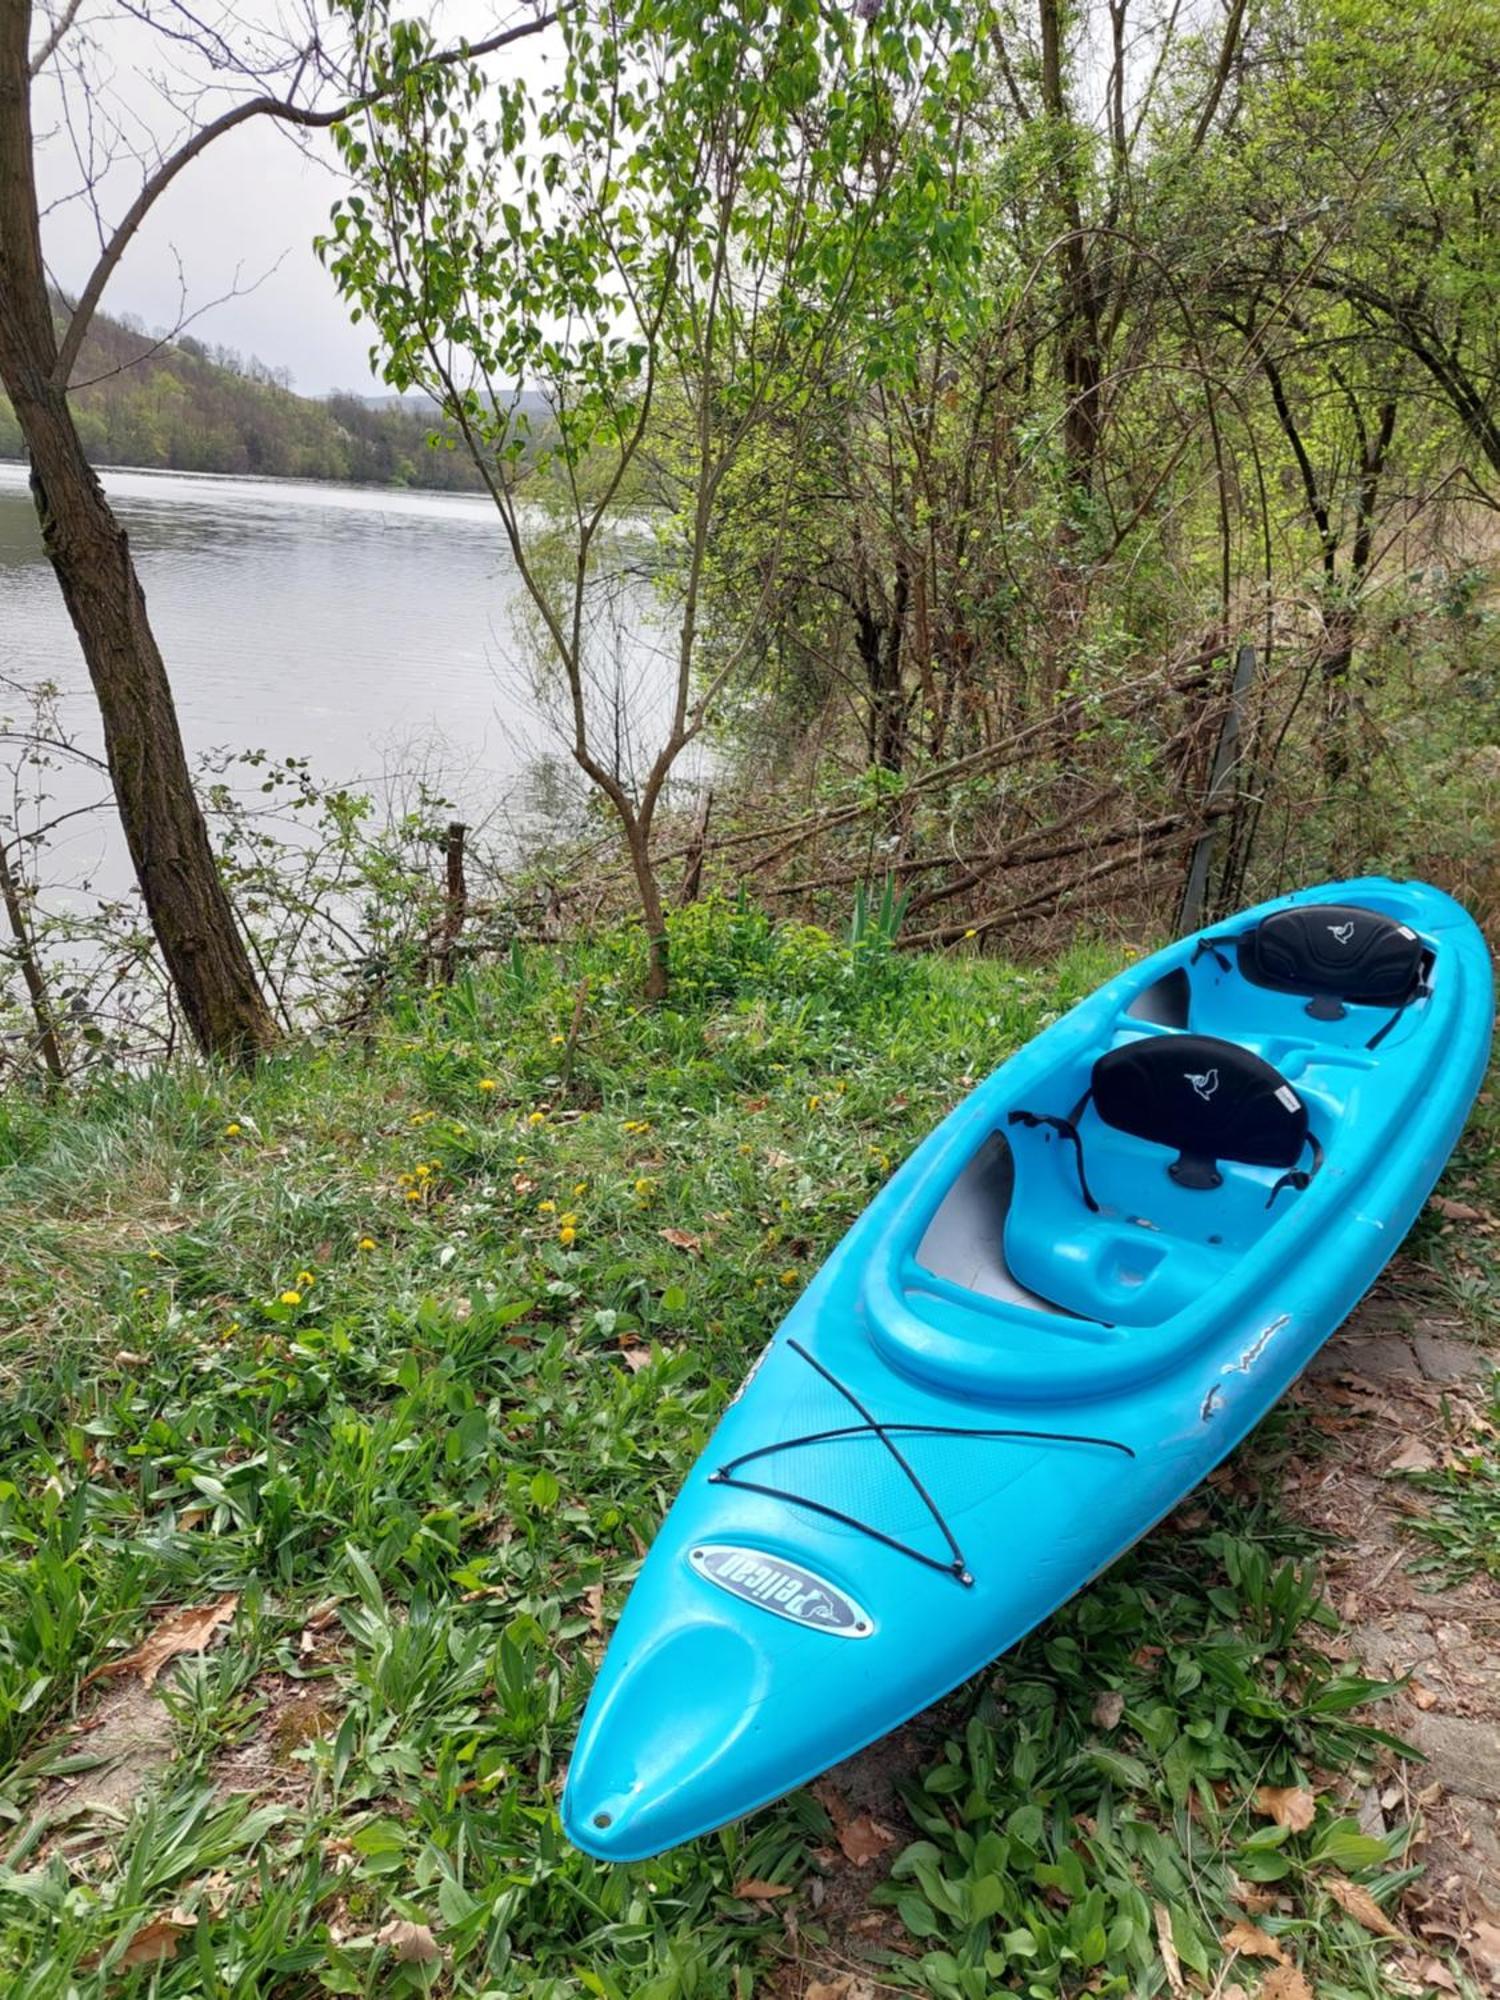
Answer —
(1127, 1201)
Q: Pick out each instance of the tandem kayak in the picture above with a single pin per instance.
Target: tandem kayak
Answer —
(1077, 1295)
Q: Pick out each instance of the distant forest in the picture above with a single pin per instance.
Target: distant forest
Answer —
(187, 407)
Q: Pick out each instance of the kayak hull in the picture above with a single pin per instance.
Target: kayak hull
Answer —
(933, 1453)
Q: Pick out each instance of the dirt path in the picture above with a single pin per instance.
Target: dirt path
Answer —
(1398, 1387)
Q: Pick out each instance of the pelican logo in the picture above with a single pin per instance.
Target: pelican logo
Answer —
(783, 1588)
(1340, 933)
(1205, 1082)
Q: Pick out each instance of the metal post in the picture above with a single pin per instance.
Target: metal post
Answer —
(1195, 893)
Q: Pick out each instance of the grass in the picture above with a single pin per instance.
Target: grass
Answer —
(406, 1345)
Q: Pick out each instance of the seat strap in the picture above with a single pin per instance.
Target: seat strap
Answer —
(1299, 1177)
(1419, 992)
(1065, 1128)
(1211, 946)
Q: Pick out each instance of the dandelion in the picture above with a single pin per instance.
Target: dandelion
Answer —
(487, 1084)
(568, 1221)
(546, 1208)
(580, 1187)
(637, 1125)
(233, 1130)
(969, 934)
(644, 1186)
(536, 1118)
(306, 1278)
(567, 1236)
(788, 1278)
(366, 1243)
(291, 1298)
(413, 1194)
(558, 1040)
(813, 1103)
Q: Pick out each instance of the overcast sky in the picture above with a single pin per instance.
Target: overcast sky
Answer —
(245, 210)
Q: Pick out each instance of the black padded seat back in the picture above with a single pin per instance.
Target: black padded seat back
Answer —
(1210, 1099)
(1332, 953)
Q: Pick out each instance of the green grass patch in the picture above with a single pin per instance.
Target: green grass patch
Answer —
(406, 1344)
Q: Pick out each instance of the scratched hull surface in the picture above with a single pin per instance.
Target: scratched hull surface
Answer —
(990, 1390)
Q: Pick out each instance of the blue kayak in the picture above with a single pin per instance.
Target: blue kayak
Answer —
(1071, 1302)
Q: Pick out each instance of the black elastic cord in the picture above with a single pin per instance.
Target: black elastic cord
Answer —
(1065, 1128)
(871, 1426)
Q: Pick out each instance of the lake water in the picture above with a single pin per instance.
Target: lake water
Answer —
(354, 626)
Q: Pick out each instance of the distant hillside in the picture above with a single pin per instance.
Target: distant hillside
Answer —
(188, 408)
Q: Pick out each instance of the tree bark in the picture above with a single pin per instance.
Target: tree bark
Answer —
(185, 898)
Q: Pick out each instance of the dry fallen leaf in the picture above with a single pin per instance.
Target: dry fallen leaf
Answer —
(182, 1632)
(1252, 1942)
(752, 1891)
(1362, 1906)
(155, 1941)
(1424, 1697)
(635, 1358)
(1108, 1709)
(845, 1987)
(1251, 1896)
(1433, 1972)
(408, 1943)
(864, 1838)
(1484, 1946)
(1413, 1457)
(1167, 1946)
(1285, 1982)
(1289, 1805)
(1454, 1211)
(682, 1239)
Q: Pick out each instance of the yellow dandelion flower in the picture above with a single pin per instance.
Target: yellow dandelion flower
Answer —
(569, 1220)
(558, 1040)
(580, 1187)
(969, 934)
(788, 1278)
(233, 1131)
(644, 1186)
(487, 1083)
(813, 1103)
(536, 1118)
(291, 1298)
(305, 1278)
(567, 1236)
(366, 1243)
(546, 1208)
(413, 1194)
(746, 1151)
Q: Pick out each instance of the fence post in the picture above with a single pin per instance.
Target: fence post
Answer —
(455, 902)
(1226, 754)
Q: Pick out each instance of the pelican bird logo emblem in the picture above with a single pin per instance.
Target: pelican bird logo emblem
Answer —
(1205, 1082)
(1341, 933)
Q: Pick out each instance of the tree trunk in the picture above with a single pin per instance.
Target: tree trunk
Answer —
(653, 914)
(185, 898)
(1082, 365)
(13, 896)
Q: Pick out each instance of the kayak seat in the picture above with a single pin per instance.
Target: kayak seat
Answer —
(1332, 956)
(1202, 1098)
